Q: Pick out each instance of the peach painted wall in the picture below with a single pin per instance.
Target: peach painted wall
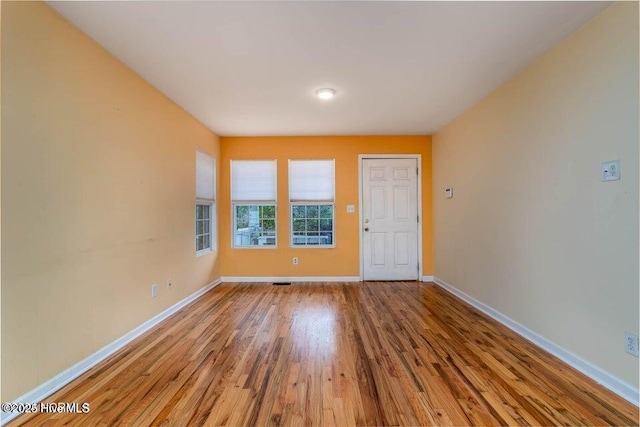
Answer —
(344, 259)
(97, 198)
(532, 231)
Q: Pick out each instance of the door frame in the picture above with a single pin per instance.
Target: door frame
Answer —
(361, 158)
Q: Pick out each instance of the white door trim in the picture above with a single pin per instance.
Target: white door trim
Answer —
(418, 158)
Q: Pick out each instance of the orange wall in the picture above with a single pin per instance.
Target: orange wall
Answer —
(343, 260)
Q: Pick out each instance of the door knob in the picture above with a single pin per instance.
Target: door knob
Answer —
(366, 229)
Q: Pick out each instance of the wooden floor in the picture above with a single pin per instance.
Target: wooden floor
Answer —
(394, 353)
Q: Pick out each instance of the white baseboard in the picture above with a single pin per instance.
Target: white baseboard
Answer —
(616, 385)
(45, 389)
(251, 279)
(427, 279)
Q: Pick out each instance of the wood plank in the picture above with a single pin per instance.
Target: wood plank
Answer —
(373, 353)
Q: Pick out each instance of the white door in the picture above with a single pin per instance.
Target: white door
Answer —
(390, 219)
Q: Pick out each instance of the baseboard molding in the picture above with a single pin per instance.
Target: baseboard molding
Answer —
(427, 279)
(251, 279)
(616, 385)
(54, 384)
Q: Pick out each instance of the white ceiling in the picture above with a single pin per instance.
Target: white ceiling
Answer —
(251, 68)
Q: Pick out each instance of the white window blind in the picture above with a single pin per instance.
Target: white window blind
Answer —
(253, 180)
(312, 180)
(205, 176)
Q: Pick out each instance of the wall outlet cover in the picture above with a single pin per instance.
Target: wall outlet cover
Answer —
(631, 343)
(448, 193)
(610, 170)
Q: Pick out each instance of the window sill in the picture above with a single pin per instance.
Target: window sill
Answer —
(204, 252)
(255, 247)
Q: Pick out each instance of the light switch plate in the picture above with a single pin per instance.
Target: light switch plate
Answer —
(610, 170)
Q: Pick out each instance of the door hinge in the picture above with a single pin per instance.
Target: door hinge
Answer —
(418, 218)
(418, 267)
(417, 171)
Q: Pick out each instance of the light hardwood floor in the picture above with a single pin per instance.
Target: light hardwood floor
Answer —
(392, 353)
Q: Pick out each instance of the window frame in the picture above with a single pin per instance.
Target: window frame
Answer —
(211, 205)
(311, 202)
(258, 203)
(206, 201)
(234, 205)
(307, 245)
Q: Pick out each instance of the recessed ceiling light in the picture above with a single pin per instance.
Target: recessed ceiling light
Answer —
(326, 93)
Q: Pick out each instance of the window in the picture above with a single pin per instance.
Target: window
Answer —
(205, 203)
(311, 195)
(253, 200)
(203, 227)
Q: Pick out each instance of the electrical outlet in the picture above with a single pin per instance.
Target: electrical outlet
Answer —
(295, 260)
(169, 284)
(448, 193)
(631, 343)
(154, 290)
